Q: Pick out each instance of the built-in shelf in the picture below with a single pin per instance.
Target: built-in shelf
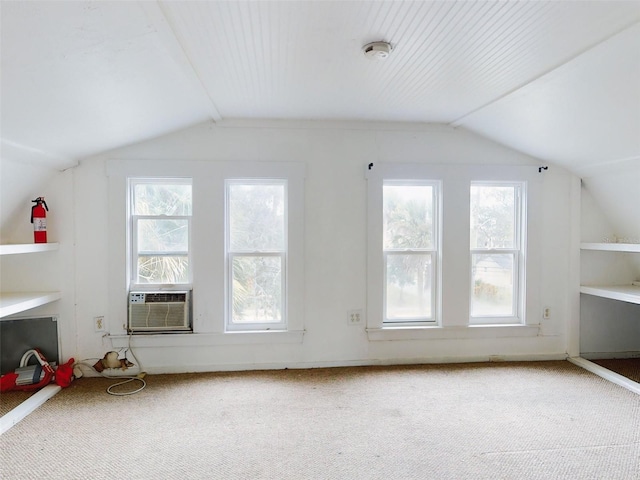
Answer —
(612, 247)
(14, 249)
(12, 303)
(625, 293)
(16, 302)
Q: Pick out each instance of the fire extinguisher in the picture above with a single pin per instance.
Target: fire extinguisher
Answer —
(39, 220)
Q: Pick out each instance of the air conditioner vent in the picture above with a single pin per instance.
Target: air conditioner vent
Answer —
(165, 297)
(157, 312)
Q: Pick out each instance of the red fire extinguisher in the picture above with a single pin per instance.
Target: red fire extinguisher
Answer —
(39, 220)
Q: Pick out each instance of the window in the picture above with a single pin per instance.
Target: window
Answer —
(230, 232)
(497, 256)
(160, 231)
(450, 247)
(410, 251)
(256, 254)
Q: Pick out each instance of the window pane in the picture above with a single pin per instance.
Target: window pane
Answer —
(163, 269)
(493, 217)
(163, 235)
(256, 290)
(162, 199)
(408, 216)
(256, 217)
(409, 284)
(493, 285)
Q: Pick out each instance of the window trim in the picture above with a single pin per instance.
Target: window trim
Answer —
(519, 257)
(132, 233)
(207, 243)
(398, 174)
(433, 252)
(455, 263)
(231, 326)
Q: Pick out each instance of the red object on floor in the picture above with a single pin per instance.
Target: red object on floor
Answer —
(8, 382)
(64, 373)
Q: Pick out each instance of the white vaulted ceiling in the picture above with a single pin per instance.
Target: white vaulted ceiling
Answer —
(558, 80)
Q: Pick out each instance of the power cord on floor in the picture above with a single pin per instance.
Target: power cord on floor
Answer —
(125, 379)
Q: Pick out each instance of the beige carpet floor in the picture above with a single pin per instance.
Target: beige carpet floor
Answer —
(10, 400)
(537, 420)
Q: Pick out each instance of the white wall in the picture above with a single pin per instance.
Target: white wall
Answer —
(335, 155)
(21, 182)
(608, 328)
(615, 189)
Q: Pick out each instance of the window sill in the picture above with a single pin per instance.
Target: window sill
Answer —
(207, 339)
(462, 332)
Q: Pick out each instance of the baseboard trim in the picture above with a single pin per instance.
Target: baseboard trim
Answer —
(609, 355)
(171, 369)
(606, 374)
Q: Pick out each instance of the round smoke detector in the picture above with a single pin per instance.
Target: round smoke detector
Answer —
(377, 50)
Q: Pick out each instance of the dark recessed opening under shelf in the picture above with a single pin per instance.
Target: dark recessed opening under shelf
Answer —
(17, 336)
(627, 367)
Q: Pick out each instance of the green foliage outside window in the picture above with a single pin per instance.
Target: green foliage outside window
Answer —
(257, 226)
(163, 243)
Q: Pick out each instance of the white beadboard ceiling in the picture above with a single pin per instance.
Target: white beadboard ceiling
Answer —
(558, 80)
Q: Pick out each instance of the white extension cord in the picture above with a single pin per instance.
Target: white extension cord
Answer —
(125, 379)
(139, 377)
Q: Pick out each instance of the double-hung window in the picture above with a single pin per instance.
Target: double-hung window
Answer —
(256, 254)
(404, 247)
(160, 213)
(232, 231)
(497, 253)
(449, 246)
(410, 251)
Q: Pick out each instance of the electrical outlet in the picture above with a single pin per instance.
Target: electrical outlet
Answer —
(98, 323)
(355, 317)
(546, 313)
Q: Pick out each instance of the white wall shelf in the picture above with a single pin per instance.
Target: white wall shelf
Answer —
(624, 293)
(16, 302)
(14, 249)
(612, 247)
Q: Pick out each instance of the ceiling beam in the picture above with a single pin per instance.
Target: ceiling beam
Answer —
(460, 121)
(12, 151)
(158, 18)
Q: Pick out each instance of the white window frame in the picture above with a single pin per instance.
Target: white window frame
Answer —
(132, 270)
(400, 174)
(454, 258)
(230, 254)
(433, 252)
(206, 247)
(518, 253)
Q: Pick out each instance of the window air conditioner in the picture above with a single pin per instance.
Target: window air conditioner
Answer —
(159, 312)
